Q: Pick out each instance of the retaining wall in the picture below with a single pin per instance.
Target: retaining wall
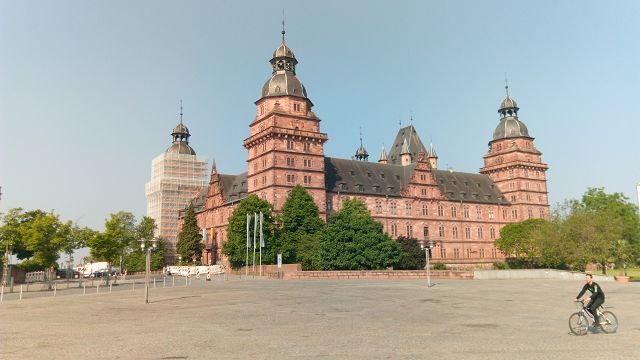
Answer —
(378, 274)
(535, 274)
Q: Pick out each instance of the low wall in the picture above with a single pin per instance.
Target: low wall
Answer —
(378, 274)
(535, 274)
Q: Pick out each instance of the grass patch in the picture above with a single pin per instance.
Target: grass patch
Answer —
(633, 273)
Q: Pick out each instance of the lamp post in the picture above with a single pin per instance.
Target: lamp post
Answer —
(154, 242)
(427, 245)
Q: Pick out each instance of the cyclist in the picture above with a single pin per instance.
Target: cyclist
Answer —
(595, 300)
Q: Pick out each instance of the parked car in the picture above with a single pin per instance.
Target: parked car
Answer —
(67, 274)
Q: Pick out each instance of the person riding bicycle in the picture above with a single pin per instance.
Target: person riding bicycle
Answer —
(595, 300)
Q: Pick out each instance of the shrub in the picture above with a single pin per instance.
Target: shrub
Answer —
(439, 266)
(500, 266)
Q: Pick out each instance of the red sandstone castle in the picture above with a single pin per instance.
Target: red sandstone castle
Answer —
(404, 190)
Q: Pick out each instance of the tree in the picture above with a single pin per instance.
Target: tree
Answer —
(518, 240)
(136, 259)
(190, 239)
(236, 245)
(300, 220)
(353, 240)
(35, 237)
(414, 258)
(118, 236)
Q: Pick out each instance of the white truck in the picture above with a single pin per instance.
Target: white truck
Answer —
(93, 268)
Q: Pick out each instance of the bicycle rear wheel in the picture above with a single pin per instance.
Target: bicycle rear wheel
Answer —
(578, 324)
(609, 322)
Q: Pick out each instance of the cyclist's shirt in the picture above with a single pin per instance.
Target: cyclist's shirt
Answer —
(596, 291)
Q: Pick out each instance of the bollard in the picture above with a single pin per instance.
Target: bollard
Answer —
(164, 281)
(20, 292)
(2, 295)
(84, 289)
(134, 285)
(98, 289)
(55, 290)
(110, 285)
(154, 283)
(173, 280)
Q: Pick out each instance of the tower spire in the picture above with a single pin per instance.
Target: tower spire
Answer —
(283, 32)
(180, 111)
(506, 85)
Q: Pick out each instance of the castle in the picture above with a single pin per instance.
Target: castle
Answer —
(404, 190)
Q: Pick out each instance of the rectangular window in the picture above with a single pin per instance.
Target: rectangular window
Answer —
(393, 207)
(425, 231)
(491, 214)
(423, 192)
(440, 210)
(441, 231)
(289, 145)
(409, 231)
(443, 252)
(504, 214)
(493, 233)
(394, 230)
(480, 233)
(478, 212)
(291, 178)
(329, 205)
(467, 232)
(494, 253)
(264, 180)
(530, 213)
(290, 162)
(307, 147)
(378, 207)
(307, 180)
(481, 253)
(425, 210)
(454, 211)
(465, 212)
(407, 208)
(468, 253)
(541, 213)
(514, 214)
(454, 232)
(296, 106)
(456, 253)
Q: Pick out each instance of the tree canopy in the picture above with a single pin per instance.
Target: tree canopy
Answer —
(236, 245)
(353, 240)
(190, 239)
(299, 221)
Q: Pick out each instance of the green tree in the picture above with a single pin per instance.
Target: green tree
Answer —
(136, 259)
(353, 240)
(300, 220)
(118, 236)
(236, 245)
(414, 258)
(190, 239)
(519, 240)
(35, 237)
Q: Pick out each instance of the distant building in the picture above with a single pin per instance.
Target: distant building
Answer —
(177, 175)
(404, 190)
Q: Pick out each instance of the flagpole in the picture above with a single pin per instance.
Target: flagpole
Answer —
(261, 241)
(255, 229)
(246, 261)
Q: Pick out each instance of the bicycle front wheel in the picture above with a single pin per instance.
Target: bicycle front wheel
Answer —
(609, 322)
(578, 324)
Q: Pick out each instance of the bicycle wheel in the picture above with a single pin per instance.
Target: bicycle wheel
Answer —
(609, 322)
(578, 324)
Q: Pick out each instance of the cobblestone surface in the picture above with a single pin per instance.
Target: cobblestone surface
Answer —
(320, 319)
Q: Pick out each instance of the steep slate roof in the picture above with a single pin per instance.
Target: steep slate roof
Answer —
(413, 140)
(466, 187)
(359, 177)
(234, 187)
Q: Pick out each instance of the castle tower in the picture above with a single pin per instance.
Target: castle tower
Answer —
(516, 167)
(285, 146)
(384, 159)
(177, 176)
(432, 157)
(361, 153)
(405, 154)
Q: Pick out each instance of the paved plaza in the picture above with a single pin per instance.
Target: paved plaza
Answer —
(323, 319)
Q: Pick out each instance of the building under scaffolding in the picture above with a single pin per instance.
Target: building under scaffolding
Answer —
(177, 176)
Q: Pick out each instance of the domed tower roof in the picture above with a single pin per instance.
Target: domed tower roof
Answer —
(510, 126)
(361, 153)
(180, 135)
(283, 79)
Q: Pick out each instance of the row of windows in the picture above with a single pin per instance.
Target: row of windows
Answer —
(469, 253)
(442, 232)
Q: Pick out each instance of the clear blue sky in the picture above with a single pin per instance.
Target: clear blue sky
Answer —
(90, 90)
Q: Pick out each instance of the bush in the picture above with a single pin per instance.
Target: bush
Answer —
(500, 266)
(439, 266)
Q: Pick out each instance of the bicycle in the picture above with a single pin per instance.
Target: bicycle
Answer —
(580, 321)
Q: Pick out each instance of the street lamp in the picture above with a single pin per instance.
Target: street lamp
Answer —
(154, 242)
(427, 245)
